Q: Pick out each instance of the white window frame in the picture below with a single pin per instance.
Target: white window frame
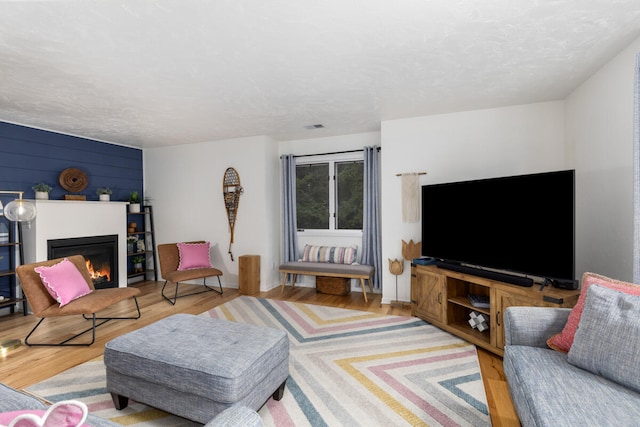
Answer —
(332, 159)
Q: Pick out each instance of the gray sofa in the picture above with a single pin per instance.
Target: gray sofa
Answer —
(13, 400)
(550, 390)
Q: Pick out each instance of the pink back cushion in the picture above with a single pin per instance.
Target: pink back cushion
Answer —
(564, 340)
(194, 255)
(63, 281)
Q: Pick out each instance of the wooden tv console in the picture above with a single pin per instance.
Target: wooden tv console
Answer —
(440, 297)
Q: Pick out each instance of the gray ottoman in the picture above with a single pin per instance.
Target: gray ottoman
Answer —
(196, 367)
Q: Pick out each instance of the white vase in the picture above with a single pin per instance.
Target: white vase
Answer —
(42, 195)
(134, 208)
(104, 197)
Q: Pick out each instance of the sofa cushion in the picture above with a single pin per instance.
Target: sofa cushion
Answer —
(13, 400)
(548, 391)
(564, 340)
(331, 254)
(607, 341)
(63, 281)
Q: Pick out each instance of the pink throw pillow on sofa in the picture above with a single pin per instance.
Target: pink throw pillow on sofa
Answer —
(70, 413)
(194, 255)
(64, 281)
(564, 340)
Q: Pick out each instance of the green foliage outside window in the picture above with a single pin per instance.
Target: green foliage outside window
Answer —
(349, 195)
(312, 196)
(313, 187)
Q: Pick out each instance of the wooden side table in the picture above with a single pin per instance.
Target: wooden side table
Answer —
(249, 274)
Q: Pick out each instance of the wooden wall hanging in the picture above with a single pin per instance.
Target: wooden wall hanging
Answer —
(231, 190)
(411, 250)
(73, 180)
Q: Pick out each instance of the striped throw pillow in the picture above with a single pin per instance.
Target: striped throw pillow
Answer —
(331, 254)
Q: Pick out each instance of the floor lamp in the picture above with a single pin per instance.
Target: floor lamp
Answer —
(18, 210)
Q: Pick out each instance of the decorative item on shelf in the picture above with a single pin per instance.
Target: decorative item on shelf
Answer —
(478, 321)
(42, 191)
(479, 301)
(18, 210)
(137, 264)
(4, 232)
(140, 246)
(231, 191)
(73, 180)
(131, 243)
(104, 194)
(133, 227)
(134, 202)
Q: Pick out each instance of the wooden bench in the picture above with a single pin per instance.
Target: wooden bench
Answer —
(350, 271)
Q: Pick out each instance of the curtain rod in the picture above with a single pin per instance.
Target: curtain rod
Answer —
(334, 152)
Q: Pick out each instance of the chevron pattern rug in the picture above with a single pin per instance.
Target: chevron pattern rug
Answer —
(347, 367)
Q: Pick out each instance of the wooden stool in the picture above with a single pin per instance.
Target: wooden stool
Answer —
(249, 274)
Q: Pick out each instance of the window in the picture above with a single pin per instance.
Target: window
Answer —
(329, 193)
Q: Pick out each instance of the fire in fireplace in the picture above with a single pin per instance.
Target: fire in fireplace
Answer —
(99, 274)
(100, 253)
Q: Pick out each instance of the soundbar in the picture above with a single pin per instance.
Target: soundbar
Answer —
(487, 274)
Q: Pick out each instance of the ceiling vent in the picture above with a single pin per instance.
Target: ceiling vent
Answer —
(311, 127)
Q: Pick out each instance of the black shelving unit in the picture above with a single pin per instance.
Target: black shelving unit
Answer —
(11, 256)
(145, 232)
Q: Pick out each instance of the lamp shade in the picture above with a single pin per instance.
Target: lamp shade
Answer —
(20, 210)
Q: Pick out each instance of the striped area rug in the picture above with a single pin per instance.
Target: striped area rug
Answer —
(347, 368)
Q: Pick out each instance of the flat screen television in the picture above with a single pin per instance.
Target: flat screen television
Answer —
(521, 224)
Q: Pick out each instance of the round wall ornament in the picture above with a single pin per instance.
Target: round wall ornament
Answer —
(73, 180)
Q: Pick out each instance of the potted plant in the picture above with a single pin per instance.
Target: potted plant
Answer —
(137, 263)
(104, 194)
(42, 191)
(134, 202)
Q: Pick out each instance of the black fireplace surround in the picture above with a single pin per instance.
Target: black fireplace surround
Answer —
(100, 252)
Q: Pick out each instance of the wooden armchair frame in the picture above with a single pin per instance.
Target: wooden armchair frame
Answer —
(169, 257)
(44, 305)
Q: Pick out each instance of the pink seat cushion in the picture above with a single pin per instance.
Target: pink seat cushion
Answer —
(194, 255)
(63, 281)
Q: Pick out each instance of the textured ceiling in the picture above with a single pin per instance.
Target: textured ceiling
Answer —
(155, 73)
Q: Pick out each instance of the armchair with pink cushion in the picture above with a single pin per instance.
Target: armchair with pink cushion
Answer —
(63, 287)
(186, 261)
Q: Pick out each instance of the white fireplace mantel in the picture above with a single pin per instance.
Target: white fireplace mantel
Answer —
(63, 219)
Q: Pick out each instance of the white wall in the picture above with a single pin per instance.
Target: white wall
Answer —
(185, 184)
(461, 146)
(599, 132)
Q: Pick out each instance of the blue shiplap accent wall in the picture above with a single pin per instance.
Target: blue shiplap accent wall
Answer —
(29, 156)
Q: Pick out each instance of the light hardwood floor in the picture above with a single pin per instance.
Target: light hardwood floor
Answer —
(25, 366)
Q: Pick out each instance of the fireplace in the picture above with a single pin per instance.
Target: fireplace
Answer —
(100, 253)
